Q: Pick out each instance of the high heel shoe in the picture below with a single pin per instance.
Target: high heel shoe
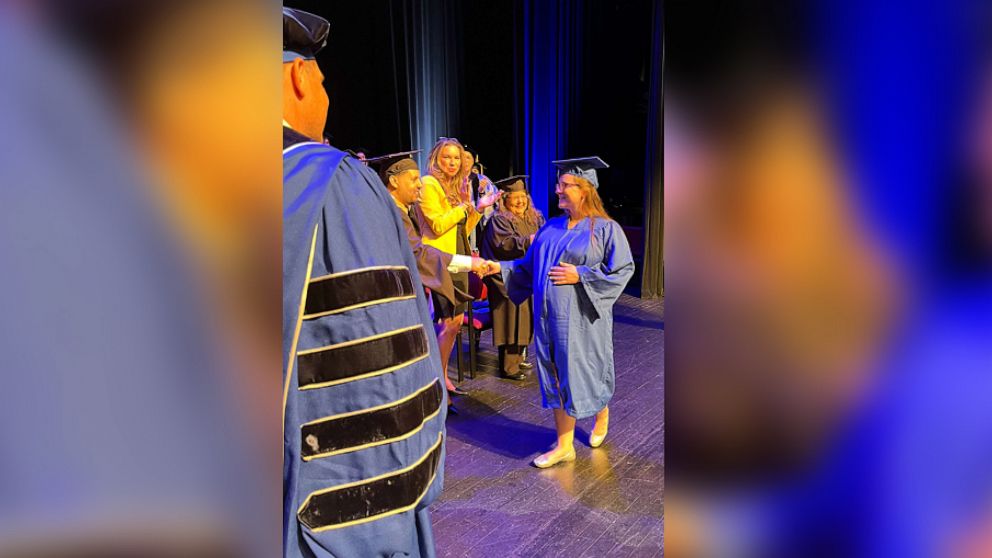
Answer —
(552, 458)
(595, 440)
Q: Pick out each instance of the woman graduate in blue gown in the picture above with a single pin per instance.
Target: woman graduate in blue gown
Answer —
(576, 269)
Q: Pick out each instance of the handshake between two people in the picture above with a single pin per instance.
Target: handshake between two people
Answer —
(483, 267)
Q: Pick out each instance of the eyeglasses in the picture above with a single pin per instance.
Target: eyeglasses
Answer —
(562, 186)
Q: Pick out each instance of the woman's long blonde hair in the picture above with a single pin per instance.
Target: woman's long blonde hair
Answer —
(455, 188)
(592, 204)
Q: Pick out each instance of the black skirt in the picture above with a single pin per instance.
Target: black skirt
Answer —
(443, 308)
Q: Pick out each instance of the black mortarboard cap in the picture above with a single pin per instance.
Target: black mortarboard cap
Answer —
(303, 34)
(516, 183)
(393, 164)
(584, 167)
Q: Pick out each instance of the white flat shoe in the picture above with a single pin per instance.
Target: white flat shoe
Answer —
(595, 440)
(551, 459)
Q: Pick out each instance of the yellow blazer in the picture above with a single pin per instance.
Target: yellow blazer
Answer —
(441, 220)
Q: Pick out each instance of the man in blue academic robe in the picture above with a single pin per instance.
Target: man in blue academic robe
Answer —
(364, 405)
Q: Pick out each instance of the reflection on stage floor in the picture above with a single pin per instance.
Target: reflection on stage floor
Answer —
(608, 502)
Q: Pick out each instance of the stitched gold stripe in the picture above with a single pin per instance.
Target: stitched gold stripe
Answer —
(357, 306)
(354, 271)
(376, 408)
(364, 376)
(299, 323)
(362, 340)
(403, 509)
(372, 410)
(427, 419)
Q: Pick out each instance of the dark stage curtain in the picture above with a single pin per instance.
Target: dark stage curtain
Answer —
(432, 36)
(548, 73)
(652, 280)
(588, 82)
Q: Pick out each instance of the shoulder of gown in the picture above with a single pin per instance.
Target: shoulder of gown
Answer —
(498, 220)
(605, 224)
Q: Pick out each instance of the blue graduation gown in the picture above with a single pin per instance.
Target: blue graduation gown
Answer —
(364, 401)
(573, 324)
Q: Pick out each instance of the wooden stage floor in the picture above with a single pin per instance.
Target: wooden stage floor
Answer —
(608, 503)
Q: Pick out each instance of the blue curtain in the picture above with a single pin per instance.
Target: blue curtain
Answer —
(434, 59)
(549, 65)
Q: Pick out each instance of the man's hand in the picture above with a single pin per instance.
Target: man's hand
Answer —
(483, 267)
(564, 274)
(480, 266)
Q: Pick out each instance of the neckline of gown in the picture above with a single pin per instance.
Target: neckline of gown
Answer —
(567, 228)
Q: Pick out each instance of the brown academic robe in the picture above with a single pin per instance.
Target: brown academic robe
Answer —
(432, 264)
(507, 238)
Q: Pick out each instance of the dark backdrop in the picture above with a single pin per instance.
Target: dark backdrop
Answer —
(588, 62)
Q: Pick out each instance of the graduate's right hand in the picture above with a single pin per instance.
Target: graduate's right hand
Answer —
(564, 274)
(480, 266)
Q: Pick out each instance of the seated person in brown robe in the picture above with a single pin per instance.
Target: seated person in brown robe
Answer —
(508, 235)
(401, 175)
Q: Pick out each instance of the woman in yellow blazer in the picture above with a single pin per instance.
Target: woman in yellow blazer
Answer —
(447, 214)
